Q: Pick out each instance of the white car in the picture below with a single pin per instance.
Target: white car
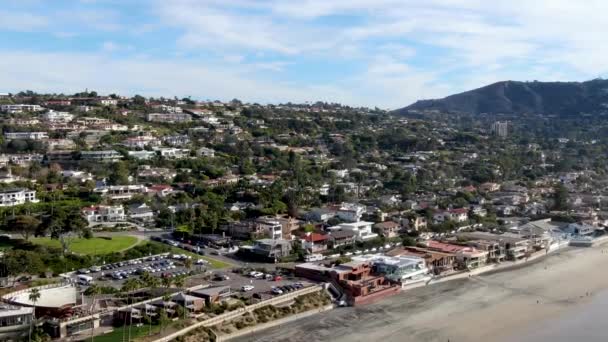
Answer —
(246, 288)
(201, 261)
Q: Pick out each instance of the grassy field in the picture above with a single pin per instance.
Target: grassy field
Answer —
(214, 262)
(117, 334)
(93, 246)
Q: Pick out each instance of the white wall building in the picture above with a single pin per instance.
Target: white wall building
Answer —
(9, 198)
(350, 212)
(26, 135)
(362, 229)
(104, 213)
(53, 116)
(20, 108)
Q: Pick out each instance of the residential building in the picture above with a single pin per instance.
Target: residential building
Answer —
(515, 247)
(141, 141)
(167, 109)
(205, 152)
(146, 171)
(9, 198)
(356, 278)
(177, 140)
(172, 152)
(121, 192)
(169, 117)
(25, 159)
(79, 176)
(57, 117)
(387, 229)
(314, 242)
(339, 238)
(437, 262)
(320, 214)
(26, 135)
(142, 155)
(405, 269)
(104, 213)
(500, 129)
(269, 249)
(287, 225)
(15, 322)
(468, 257)
(60, 144)
(362, 230)
(141, 212)
(105, 156)
(350, 212)
(20, 108)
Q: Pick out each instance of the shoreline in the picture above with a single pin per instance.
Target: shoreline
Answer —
(499, 305)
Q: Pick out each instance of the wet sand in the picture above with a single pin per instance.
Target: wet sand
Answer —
(504, 306)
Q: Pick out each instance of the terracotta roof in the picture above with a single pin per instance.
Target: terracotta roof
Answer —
(315, 237)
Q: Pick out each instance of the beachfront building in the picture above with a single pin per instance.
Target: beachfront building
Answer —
(437, 262)
(467, 257)
(404, 269)
(356, 279)
(515, 247)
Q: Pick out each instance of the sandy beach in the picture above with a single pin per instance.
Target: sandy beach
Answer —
(502, 306)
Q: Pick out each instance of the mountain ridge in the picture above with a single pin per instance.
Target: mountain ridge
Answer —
(517, 97)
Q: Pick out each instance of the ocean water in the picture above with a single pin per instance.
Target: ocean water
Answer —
(586, 323)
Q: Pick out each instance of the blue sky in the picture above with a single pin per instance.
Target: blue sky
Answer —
(385, 53)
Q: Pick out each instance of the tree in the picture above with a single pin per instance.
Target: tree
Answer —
(163, 319)
(167, 282)
(93, 290)
(120, 174)
(188, 264)
(25, 225)
(560, 197)
(179, 281)
(34, 296)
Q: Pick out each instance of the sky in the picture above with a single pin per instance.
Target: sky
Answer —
(384, 53)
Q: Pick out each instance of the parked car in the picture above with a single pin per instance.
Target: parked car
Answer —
(246, 288)
(277, 291)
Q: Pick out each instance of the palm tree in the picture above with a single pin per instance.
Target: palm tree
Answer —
(188, 264)
(179, 281)
(33, 297)
(167, 282)
(130, 285)
(93, 291)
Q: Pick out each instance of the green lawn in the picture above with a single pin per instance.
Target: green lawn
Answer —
(93, 246)
(213, 262)
(117, 334)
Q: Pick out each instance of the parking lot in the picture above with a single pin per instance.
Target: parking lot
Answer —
(161, 266)
(262, 285)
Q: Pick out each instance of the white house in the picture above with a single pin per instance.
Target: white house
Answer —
(80, 176)
(53, 116)
(350, 212)
(205, 152)
(121, 192)
(26, 135)
(173, 153)
(20, 108)
(9, 198)
(362, 230)
(104, 213)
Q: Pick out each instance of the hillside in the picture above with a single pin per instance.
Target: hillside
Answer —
(512, 97)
